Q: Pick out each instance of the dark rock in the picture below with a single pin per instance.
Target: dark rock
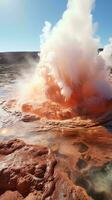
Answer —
(81, 146)
(81, 164)
(30, 118)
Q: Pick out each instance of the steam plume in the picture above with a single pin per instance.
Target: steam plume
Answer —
(69, 54)
(73, 74)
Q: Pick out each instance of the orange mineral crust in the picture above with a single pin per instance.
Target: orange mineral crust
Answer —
(53, 110)
(84, 100)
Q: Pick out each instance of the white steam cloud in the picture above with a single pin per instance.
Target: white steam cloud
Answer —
(70, 70)
(69, 50)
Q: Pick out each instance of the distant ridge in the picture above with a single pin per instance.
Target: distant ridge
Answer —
(23, 56)
(15, 57)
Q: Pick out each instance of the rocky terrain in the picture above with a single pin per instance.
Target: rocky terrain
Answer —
(31, 172)
(78, 168)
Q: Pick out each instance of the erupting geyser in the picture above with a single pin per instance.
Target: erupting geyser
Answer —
(73, 73)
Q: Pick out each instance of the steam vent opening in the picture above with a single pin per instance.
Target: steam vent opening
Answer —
(55, 103)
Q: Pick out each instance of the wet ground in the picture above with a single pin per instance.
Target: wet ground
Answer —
(82, 147)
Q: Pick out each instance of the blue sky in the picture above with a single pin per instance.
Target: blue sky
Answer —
(21, 21)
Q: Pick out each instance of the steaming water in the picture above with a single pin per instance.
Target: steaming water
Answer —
(9, 122)
(11, 125)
